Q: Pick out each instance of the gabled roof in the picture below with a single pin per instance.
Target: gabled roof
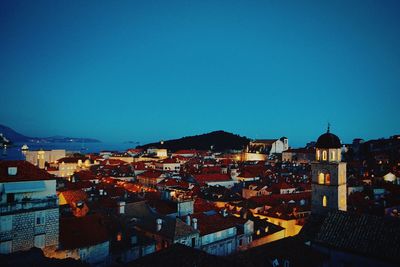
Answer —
(78, 232)
(186, 152)
(214, 177)
(72, 159)
(71, 196)
(369, 235)
(151, 174)
(25, 172)
(169, 161)
(171, 228)
(215, 222)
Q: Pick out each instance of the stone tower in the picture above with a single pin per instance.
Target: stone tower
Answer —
(329, 190)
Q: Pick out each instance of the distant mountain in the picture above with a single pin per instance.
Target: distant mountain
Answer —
(16, 137)
(219, 140)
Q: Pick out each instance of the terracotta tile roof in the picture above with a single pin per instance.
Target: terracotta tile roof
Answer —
(112, 162)
(214, 177)
(72, 159)
(173, 183)
(187, 151)
(208, 224)
(25, 172)
(247, 174)
(169, 161)
(83, 231)
(364, 234)
(202, 205)
(274, 199)
(85, 175)
(151, 174)
(71, 196)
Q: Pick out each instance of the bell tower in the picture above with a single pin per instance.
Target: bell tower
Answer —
(329, 190)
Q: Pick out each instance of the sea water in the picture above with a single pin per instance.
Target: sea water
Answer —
(14, 152)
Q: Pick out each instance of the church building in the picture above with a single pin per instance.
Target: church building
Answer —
(328, 176)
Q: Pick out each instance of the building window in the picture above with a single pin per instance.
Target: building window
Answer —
(39, 218)
(5, 223)
(321, 178)
(324, 201)
(5, 247)
(327, 178)
(119, 236)
(318, 154)
(333, 155)
(324, 155)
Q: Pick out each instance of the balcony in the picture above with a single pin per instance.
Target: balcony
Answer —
(28, 204)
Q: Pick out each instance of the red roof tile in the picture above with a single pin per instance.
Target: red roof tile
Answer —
(215, 177)
(82, 232)
(208, 224)
(25, 172)
(151, 174)
(71, 196)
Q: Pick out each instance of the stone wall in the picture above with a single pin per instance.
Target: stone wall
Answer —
(24, 229)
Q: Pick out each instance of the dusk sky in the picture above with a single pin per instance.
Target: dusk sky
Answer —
(151, 70)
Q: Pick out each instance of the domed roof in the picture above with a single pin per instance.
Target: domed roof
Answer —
(328, 140)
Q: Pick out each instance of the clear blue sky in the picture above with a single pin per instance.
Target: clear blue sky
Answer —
(151, 70)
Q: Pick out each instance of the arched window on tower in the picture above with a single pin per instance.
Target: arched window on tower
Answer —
(333, 155)
(324, 155)
(318, 155)
(327, 178)
(324, 201)
(321, 178)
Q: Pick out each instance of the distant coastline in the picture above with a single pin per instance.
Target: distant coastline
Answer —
(16, 137)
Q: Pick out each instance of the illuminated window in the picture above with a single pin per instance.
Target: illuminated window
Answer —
(324, 155)
(321, 178)
(119, 236)
(327, 178)
(324, 201)
(333, 155)
(318, 154)
(342, 202)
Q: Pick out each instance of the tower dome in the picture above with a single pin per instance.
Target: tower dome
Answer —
(328, 140)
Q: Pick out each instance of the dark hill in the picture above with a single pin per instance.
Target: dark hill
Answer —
(16, 137)
(220, 140)
(12, 135)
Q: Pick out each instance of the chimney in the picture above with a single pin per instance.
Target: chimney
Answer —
(188, 219)
(159, 224)
(12, 171)
(194, 223)
(224, 213)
